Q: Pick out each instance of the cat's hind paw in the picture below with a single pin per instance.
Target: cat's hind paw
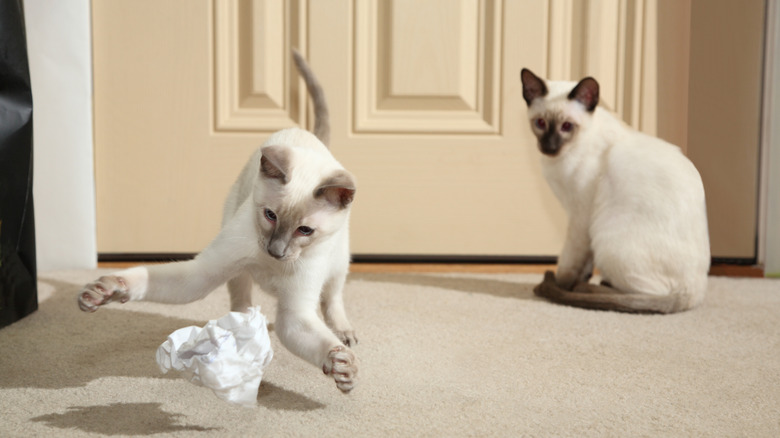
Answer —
(102, 291)
(341, 364)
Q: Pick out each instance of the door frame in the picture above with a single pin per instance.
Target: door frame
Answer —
(769, 170)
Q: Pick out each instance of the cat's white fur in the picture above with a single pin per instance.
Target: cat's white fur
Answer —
(292, 175)
(636, 210)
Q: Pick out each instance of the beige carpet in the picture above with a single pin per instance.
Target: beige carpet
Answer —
(441, 355)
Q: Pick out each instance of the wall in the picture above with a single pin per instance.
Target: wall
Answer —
(724, 116)
(59, 47)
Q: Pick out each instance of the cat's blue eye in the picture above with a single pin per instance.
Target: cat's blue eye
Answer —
(540, 123)
(567, 127)
(305, 231)
(270, 215)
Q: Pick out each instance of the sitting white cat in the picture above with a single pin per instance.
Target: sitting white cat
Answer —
(286, 227)
(635, 204)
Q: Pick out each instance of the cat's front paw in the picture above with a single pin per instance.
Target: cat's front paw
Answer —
(341, 364)
(102, 291)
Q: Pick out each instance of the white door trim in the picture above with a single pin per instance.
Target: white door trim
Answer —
(769, 200)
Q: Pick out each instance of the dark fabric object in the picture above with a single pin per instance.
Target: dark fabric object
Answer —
(18, 286)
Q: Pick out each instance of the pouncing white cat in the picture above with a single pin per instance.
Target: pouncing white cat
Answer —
(635, 204)
(286, 227)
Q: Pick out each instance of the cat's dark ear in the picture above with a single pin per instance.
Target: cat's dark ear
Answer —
(533, 86)
(275, 163)
(587, 93)
(338, 189)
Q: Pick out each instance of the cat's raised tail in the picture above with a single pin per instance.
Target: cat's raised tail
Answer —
(604, 297)
(321, 115)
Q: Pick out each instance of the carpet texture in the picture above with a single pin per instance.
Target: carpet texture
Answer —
(440, 355)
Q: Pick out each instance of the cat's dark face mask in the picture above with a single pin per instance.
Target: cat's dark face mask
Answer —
(550, 141)
(552, 134)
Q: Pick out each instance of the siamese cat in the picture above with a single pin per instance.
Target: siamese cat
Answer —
(285, 226)
(635, 205)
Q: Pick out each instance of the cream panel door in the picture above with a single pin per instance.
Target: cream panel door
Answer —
(425, 99)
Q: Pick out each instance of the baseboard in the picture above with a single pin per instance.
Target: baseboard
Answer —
(144, 257)
(444, 258)
(733, 266)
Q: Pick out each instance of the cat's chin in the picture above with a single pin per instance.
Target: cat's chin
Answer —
(288, 259)
(552, 153)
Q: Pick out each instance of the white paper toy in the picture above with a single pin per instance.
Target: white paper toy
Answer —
(227, 355)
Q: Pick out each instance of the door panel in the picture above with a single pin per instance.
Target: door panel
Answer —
(255, 88)
(418, 75)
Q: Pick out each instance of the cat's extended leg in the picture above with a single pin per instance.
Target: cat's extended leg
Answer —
(177, 283)
(332, 306)
(173, 283)
(303, 333)
(575, 265)
(240, 289)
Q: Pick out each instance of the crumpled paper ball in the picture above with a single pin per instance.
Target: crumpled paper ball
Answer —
(227, 355)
